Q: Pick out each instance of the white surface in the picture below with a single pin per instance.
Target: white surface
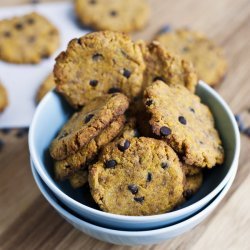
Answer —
(128, 237)
(22, 81)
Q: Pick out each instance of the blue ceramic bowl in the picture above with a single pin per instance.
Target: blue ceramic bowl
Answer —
(53, 112)
(122, 237)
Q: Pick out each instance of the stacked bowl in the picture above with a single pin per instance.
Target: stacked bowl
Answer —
(77, 207)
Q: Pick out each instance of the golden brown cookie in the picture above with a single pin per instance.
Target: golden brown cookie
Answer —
(87, 124)
(185, 123)
(207, 57)
(118, 15)
(45, 87)
(192, 184)
(167, 67)
(27, 39)
(3, 98)
(190, 170)
(79, 178)
(82, 158)
(97, 64)
(143, 177)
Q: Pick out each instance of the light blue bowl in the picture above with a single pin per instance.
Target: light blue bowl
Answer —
(130, 237)
(52, 113)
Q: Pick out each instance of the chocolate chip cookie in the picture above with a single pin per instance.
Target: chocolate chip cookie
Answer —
(45, 87)
(192, 184)
(79, 178)
(141, 177)
(97, 64)
(27, 39)
(179, 117)
(82, 158)
(118, 15)
(168, 67)
(207, 57)
(87, 124)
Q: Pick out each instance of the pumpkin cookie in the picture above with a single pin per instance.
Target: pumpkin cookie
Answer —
(45, 87)
(87, 124)
(79, 178)
(118, 15)
(192, 184)
(167, 67)
(65, 168)
(143, 177)
(190, 170)
(97, 64)
(179, 117)
(3, 98)
(27, 39)
(207, 58)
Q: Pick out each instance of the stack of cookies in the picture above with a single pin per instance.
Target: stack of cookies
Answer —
(140, 136)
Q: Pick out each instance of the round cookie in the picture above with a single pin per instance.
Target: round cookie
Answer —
(79, 178)
(190, 170)
(118, 15)
(82, 158)
(97, 64)
(27, 39)
(87, 124)
(168, 67)
(45, 87)
(207, 57)
(185, 123)
(192, 185)
(143, 177)
(3, 98)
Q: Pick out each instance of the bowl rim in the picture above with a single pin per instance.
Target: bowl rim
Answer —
(205, 211)
(125, 218)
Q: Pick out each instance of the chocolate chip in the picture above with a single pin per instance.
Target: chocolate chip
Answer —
(5, 130)
(1, 144)
(93, 83)
(149, 102)
(97, 57)
(164, 29)
(192, 110)
(110, 164)
(187, 193)
(182, 120)
(247, 131)
(125, 146)
(126, 73)
(63, 134)
(114, 90)
(19, 26)
(185, 49)
(133, 188)
(164, 165)
(136, 133)
(149, 177)
(7, 34)
(165, 131)
(92, 2)
(159, 78)
(139, 199)
(113, 13)
(30, 21)
(22, 132)
(88, 118)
